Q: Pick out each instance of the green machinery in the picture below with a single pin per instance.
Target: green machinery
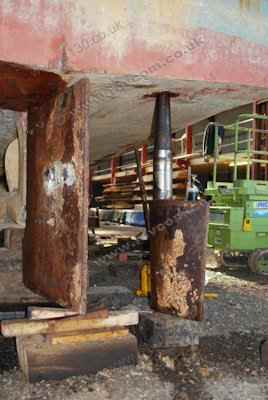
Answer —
(239, 209)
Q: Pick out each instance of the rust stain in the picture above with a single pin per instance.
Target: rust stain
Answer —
(175, 286)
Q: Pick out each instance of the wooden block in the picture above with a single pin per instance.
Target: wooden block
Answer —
(160, 330)
(39, 360)
(37, 313)
(81, 323)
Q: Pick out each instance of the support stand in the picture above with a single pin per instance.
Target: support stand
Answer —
(59, 348)
(178, 231)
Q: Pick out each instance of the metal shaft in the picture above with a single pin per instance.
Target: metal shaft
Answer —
(162, 148)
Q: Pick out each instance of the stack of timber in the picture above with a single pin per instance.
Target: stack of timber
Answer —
(126, 191)
(63, 345)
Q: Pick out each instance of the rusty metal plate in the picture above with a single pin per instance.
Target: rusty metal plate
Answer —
(22, 87)
(55, 243)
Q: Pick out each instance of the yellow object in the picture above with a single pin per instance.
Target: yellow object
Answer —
(145, 289)
(211, 296)
(247, 226)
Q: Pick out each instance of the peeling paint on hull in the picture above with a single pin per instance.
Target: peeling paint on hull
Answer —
(49, 34)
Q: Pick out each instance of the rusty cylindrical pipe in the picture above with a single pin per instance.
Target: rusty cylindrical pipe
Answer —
(178, 237)
(162, 148)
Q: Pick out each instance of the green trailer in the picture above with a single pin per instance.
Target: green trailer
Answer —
(238, 223)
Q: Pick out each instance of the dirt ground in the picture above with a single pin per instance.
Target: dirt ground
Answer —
(226, 366)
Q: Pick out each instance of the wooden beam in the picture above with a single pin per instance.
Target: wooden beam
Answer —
(81, 323)
(37, 313)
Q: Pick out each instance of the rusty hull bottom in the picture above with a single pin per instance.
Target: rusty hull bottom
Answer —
(178, 243)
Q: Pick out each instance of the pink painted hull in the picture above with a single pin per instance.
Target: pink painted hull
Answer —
(78, 37)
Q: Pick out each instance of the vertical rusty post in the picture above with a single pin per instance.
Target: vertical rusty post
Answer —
(178, 233)
(55, 245)
(162, 148)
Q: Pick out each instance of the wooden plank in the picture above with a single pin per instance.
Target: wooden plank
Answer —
(55, 244)
(111, 186)
(37, 313)
(40, 360)
(86, 336)
(119, 231)
(28, 327)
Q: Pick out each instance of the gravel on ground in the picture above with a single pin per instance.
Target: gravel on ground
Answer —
(226, 366)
